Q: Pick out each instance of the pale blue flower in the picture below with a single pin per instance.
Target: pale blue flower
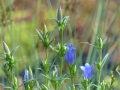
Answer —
(87, 71)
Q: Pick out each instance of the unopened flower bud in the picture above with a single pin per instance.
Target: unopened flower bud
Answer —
(75, 70)
(59, 14)
(45, 29)
(30, 73)
(15, 80)
(101, 43)
(25, 77)
(6, 49)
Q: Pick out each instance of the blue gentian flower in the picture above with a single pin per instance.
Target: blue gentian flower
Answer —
(25, 77)
(71, 54)
(87, 71)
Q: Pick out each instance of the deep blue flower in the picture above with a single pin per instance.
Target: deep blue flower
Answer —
(87, 71)
(70, 54)
(25, 77)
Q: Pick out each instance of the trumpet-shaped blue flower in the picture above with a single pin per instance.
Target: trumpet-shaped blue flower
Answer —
(87, 71)
(25, 77)
(71, 54)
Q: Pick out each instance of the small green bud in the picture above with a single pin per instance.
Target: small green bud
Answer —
(102, 86)
(45, 29)
(75, 70)
(30, 73)
(59, 14)
(58, 46)
(6, 49)
(54, 73)
(99, 65)
(101, 43)
(85, 84)
(12, 59)
(5, 68)
(28, 87)
(15, 80)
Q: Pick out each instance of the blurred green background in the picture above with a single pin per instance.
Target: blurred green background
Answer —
(19, 20)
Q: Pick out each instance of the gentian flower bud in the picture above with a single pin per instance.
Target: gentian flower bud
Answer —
(71, 54)
(25, 77)
(87, 71)
(6, 49)
(59, 14)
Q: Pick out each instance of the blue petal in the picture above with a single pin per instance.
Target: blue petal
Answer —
(70, 45)
(71, 54)
(83, 68)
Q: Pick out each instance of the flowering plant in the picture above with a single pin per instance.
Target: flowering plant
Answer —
(58, 78)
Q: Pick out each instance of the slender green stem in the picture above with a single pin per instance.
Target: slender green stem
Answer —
(61, 65)
(61, 57)
(56, 87)
(72, 83)
(99, 77)
(47, 68)
(61, 37)
(100, 56)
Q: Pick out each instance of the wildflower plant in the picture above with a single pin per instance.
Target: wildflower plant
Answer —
(53, 74)
(8, 67)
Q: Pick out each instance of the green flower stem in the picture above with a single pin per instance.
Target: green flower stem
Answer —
(99, 77)
(56, 87)
(72, 83)
(47, 68)
(61, 57)
(100, 56)
(61, 65)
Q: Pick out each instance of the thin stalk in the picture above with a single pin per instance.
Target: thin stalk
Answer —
(47, 68)
(56, 86)
(99, 77)
(61, 57)
(100, 56)
(72, 83)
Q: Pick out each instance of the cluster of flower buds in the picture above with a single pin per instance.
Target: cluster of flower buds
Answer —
(60, 50)
(8, 66)
(55, 79)
(110, 86)
(9, 58)
(60, 20)
(85, 84)
(45, 37)
(27, 77)
(99, 43)
(102, 86)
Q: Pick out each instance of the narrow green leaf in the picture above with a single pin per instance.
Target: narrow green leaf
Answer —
(40, 35)
(104, 59)
(65, 19)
